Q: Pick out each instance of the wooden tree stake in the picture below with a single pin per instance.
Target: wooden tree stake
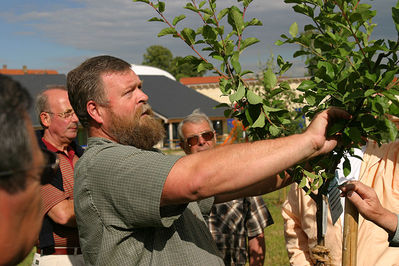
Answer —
(349, 244)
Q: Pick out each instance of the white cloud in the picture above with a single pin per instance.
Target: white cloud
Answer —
(120, 27)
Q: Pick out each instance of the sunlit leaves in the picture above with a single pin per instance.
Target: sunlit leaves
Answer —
(166, 31)
(293, 29)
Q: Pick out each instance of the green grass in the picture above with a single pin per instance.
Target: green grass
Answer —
(276, 253)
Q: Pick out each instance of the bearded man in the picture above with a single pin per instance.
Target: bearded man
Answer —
(137, 206)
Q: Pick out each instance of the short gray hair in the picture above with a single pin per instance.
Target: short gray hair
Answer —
(195, 117)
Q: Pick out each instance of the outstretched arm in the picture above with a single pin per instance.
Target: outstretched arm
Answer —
(233, 168)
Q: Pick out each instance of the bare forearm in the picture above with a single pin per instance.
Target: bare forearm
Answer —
(268, 185)
(63, 213)
(257, 250)
(387, 220)
(234, 167)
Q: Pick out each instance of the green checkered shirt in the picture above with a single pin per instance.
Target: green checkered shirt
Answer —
(117, 204)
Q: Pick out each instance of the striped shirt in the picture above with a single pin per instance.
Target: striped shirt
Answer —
(63, 236)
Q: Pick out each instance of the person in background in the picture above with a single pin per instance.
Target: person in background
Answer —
(237, 226)
(59, 239)
(377, 169)
(137, 206)
(23, 169)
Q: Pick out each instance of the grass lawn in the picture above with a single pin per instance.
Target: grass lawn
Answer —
(276, 254)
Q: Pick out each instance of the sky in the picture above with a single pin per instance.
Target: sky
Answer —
(60, 34)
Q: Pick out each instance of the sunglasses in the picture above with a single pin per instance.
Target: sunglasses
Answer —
(207, 136)
(49, 169)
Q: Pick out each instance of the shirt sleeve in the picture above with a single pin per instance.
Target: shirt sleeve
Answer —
(296, 240)
(51, 196)
(259, 216)
(394, 242)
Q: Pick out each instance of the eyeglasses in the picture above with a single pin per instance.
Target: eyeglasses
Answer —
(207, 136)
(66, 115)
(49, 169)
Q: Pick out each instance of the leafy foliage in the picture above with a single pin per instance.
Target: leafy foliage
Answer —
(350, 70)
(221, 39)
(158, 56)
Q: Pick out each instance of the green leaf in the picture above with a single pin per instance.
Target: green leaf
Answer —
(239, 94)
(222, 13)
(156, 19)
(274, 131)
(248, 42)
(369, 92)
(306, 85)
(392, 130)
(161, 6)
(260, 121)
(166, 31)
(236, 20)
(253, 98)
(338, 126)
(310, 99)
(188, 35)
(177, 19)
(204, 66)
(202, 4)
(395, 16)
(269, 79)
(354, 134)
(312, 176)
(293, 29)
(143, 1)
(190, 6)
(303, 182)
(387, 78)
(209, 33)
(347, 167)
(254, 22)
(236, 63)
(269, 109)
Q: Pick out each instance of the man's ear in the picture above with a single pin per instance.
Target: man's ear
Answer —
(45, 119)
(94, 111)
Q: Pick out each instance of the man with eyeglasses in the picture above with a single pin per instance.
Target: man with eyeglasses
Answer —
(23, 169)
(58, 240)
(237, 226)
(137, 206)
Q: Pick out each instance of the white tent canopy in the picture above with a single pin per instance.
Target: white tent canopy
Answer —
(149, 70)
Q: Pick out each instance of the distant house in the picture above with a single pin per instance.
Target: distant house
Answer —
(170, 100)
(25, 70)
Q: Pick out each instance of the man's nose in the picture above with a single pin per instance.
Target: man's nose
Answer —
(201, 140)
(143, 97)
(75, 118)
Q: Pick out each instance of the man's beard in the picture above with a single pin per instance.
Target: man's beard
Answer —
(140, 132)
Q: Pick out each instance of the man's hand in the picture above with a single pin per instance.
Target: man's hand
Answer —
(317, 130)
(366, 201)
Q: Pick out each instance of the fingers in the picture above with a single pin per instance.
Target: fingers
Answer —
(361, 189)
(335, 112)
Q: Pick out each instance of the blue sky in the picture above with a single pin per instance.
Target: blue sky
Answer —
(60, 34)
